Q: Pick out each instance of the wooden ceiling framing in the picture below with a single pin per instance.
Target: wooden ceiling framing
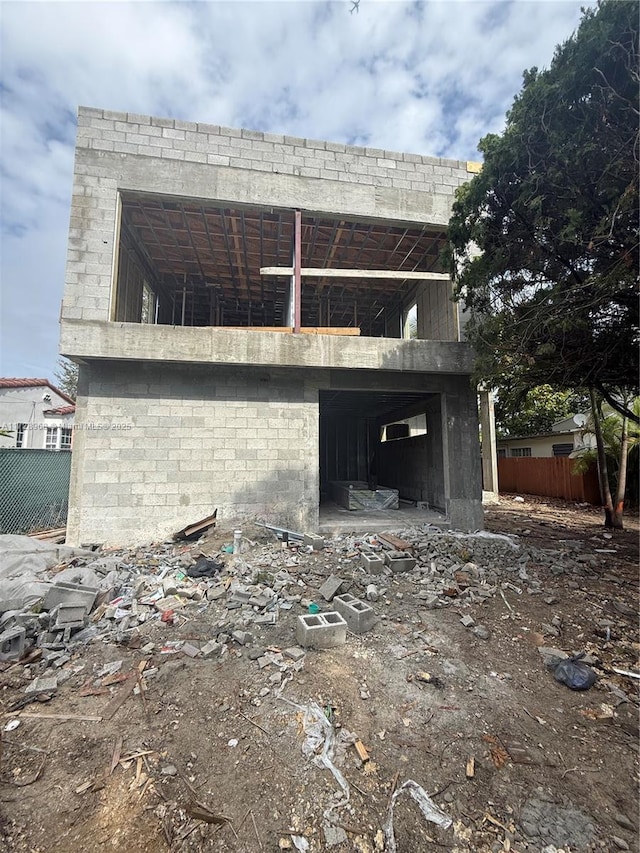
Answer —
(214, 255)
(384, 406)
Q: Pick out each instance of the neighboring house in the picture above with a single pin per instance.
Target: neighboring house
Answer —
(240, 306)
(567, 438)
(36, 415)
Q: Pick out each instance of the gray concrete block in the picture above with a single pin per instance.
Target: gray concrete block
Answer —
(12, 643)
(399, 561)
(316, 542)
(359, 616)
(242, 637)
(68, 616)
(331, 587)
(67, 593)
(42, 684)
(266, 619)
(211, 649)
(294, 653)
(238, 597)
(373, 563)
(321, 630)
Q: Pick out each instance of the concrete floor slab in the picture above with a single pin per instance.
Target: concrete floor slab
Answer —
(336, 520)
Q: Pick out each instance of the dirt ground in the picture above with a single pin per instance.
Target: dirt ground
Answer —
(518, 761)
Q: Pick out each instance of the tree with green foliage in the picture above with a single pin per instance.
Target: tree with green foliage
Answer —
(616, 454)
(544, 240)
(67, 377)
(535, 411)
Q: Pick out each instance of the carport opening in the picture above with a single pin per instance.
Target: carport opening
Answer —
(361, 472)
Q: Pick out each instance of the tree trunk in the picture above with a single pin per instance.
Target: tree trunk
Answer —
(622, 476)
(603, 475)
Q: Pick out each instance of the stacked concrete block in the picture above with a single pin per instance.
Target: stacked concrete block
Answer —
(190, 435)
(321, 630)
(238, 423)
(202, 160)
(359, 616)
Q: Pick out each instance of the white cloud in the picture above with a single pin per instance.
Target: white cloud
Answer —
(429, 77)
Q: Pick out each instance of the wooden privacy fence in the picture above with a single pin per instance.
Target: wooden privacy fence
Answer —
(551, 477)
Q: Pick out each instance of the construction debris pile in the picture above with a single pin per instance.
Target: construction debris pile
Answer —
(250, 605)
(54, 599)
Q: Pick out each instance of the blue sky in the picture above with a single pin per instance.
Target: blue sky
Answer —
(424, 77)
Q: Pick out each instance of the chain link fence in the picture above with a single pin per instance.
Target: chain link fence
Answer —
(34, 489)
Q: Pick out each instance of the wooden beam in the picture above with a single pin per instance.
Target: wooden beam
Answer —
(319, 272)
(346, 331)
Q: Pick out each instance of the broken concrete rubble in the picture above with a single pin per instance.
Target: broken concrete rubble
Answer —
(111, 595)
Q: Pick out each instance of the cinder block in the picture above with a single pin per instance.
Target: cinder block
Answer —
(399, 561)
(68, 616)
(71, 594)
(316, 542)
(331, 587)
(321, 630)
(359, 616)
(373, 563)
(12, 643)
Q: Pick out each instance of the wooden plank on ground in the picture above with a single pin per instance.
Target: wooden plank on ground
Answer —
(121, 696)
(197, 526)
(394, 542)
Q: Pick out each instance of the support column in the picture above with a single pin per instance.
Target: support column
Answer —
(462, 474)
(297, 277)
(489, 451)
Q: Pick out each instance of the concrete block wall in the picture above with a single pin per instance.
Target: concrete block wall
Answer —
(213, 145)
(436, 314)
(126, 151)
(157, 447)
(405, 465)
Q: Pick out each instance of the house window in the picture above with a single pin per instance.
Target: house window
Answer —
(501, 453)
(521, 451)
(51, 439)
(65, 438)
(20, 434)
(562, 449)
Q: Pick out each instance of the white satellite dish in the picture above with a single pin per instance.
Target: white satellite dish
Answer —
(580, 420)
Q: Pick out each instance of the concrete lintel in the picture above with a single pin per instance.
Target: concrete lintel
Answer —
(94, 339)
(232, 185)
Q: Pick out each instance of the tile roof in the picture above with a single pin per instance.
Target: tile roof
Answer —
(61, 410)
(7, 382)
(22, 383)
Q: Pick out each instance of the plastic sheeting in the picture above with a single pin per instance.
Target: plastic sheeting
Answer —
(429, 809)
(358, 496)
(24, 563)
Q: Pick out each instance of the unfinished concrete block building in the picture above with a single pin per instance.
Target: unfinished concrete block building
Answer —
(239, 304)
